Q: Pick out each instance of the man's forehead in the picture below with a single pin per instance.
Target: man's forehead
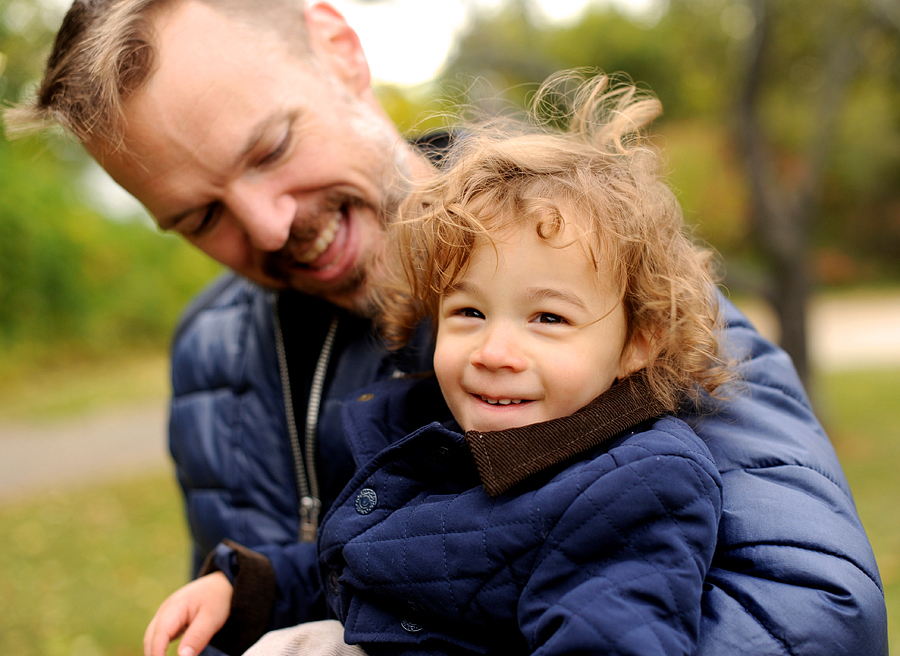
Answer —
(203, 108)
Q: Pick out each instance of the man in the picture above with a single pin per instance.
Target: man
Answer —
(251, 129)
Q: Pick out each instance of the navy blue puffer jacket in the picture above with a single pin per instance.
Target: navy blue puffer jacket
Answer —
(793, 571)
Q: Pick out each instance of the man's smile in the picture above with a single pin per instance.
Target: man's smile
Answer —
(322, 241)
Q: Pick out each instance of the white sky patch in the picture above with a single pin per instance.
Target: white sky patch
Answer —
(407, 41)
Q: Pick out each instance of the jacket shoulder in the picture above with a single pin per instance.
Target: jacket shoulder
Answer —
(227, 289)
(227, 325)
(794, 571)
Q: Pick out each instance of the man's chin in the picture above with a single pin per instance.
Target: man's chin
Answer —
(352, 294)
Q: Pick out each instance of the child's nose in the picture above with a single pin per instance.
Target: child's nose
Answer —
(500, 349)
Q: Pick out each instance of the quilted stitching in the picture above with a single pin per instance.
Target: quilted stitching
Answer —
(470, 559)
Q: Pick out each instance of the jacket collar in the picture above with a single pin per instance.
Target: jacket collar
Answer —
(507, 457)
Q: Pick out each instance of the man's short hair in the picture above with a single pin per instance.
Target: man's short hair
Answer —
(105, 51)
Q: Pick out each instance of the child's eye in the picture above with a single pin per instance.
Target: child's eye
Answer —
(468, 312)
(549, 317)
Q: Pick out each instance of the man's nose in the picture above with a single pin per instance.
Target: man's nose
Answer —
(265, 215)
(500, 348)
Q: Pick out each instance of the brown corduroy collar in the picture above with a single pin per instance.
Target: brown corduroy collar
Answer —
(507, 457)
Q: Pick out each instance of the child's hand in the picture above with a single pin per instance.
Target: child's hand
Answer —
(199, 609)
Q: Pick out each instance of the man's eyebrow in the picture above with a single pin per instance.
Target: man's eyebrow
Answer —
(548, 293)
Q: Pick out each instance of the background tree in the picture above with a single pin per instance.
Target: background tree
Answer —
(787, 171)
(782, 125)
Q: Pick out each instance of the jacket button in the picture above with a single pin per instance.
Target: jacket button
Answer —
(440, 453)
(365, 397)
(411, 627)
(333, 586)
(366, 501)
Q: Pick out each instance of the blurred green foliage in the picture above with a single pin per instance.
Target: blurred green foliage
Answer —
(88, 568)
(62, 392)
(72, 280)
(74, 284)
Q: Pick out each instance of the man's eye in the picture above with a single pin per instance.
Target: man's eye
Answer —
(208, 220)
(276, 153)
(549, 317)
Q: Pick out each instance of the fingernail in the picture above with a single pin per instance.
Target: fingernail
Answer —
(185, 651)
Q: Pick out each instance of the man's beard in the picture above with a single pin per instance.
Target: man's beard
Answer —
(352, 292)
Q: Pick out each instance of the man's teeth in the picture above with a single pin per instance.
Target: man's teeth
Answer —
(323, 241)
(500, 401)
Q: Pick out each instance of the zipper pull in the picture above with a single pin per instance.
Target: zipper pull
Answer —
(309, 518)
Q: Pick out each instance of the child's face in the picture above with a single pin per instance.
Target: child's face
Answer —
(530, 333)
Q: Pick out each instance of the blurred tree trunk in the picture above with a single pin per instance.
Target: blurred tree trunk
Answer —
(786, 190)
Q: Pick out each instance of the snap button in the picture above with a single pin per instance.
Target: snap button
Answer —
(365, 397)
(366, 501)
(410, 627)
(440, 452)
(333, 586)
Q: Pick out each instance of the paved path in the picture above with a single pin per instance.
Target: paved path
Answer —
(845, 333)
(101, 445)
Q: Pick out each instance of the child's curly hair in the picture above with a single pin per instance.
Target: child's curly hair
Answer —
(600, 175)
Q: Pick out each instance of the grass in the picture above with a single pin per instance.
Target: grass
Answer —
(86, 569)
(75, 387)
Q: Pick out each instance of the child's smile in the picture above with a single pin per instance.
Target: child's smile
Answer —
(490, 401)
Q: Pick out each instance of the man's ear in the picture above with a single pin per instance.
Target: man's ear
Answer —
(635, 355)
(337, 46)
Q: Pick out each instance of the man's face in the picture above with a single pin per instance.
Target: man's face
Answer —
(277, 166)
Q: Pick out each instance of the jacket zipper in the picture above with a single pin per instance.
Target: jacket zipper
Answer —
(306, 478)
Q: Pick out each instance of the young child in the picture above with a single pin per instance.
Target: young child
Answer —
(558, 507)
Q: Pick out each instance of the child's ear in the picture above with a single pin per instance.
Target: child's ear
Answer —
(635, 355)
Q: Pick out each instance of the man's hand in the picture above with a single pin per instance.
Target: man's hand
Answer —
(199, 610)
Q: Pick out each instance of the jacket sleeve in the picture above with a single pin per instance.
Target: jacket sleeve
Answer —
(622, 571)
(274, 587)
(794, 571)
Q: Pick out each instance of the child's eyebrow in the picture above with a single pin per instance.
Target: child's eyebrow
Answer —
(461, 287)
(548, 293)
(533, 294)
